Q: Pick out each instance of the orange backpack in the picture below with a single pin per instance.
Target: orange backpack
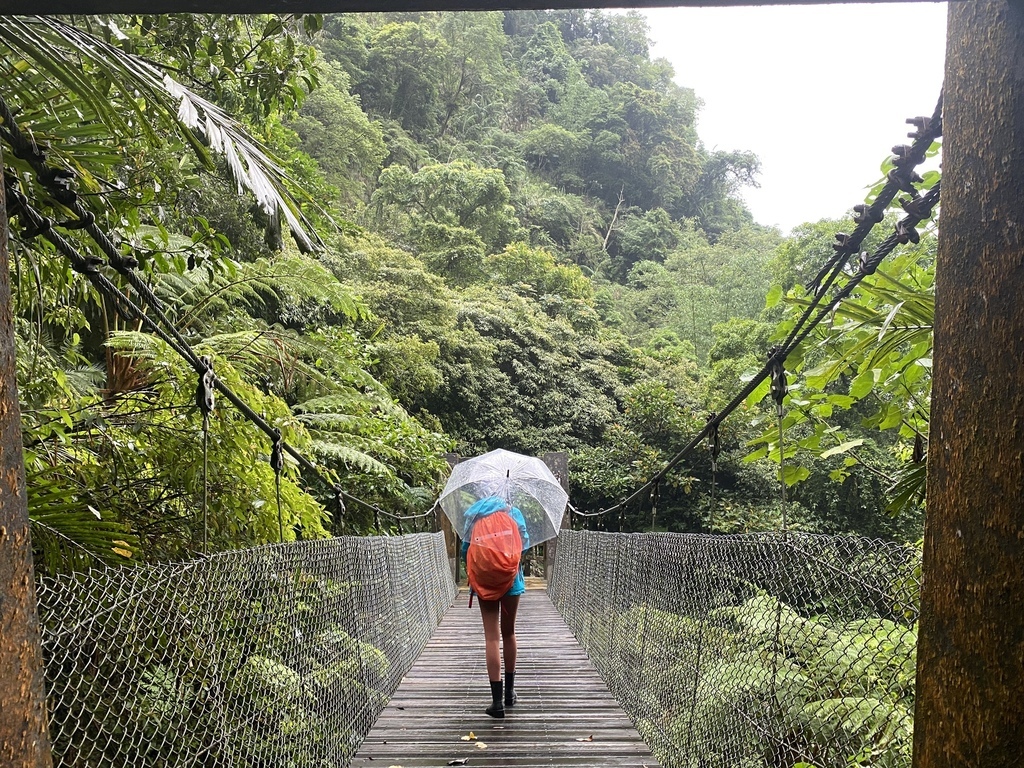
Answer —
(492, 560)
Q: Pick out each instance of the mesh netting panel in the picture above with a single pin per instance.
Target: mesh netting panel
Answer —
(276, 656)
(753, 651)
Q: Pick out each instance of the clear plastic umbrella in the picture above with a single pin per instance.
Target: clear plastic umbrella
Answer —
(521, 481)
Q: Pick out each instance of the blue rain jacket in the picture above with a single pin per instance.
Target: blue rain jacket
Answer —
(487, 506)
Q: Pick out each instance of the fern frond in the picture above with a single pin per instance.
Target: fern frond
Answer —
(334, 422)
(349, 456)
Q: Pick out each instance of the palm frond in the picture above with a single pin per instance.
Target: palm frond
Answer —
(141, 100)
(142, 345)
(68, 534)
(908, 491)
(334, 422)
(345, 402)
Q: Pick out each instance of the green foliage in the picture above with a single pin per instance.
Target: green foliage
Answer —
(695, 285)
(129, 457)
(870, 369)
(105, 102)
(834, 689)
(254, 65)
(334, 129)
(560, 290)
(655, 424)
(69, 533)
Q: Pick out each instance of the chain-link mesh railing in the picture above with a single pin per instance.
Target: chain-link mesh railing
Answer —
(277, 656)
(753, 651)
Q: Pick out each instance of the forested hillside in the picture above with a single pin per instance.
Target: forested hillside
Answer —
(506, 233)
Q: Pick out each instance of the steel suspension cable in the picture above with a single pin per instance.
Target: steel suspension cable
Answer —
(39, 225)
(58, 183)
(901, 179)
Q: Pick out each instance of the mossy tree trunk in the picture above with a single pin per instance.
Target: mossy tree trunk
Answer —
(23, 735)
(970, 669)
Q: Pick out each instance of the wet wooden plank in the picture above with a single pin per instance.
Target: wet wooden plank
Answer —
(565, 715)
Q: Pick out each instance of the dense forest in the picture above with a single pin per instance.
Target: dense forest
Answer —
(401, 235)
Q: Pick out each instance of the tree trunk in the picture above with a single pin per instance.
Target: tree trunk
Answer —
(970, 668)
(23, 736)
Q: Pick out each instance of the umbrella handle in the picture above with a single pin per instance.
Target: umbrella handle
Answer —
(471, 593)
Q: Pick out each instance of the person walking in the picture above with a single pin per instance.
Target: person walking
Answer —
(493, 552)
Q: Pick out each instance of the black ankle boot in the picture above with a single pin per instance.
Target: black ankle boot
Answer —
(510, 692)
(497, 708)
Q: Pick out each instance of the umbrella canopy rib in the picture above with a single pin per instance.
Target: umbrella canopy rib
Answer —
(521, 482)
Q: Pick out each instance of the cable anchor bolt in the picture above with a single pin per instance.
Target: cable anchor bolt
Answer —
(918, 207)
(777, 371)
(904, 156)
(843, 240)
(922, 125)
(905, 179)
(864, 213)
(83, 223)
(277, 453)
(205, 388)
(906, 233)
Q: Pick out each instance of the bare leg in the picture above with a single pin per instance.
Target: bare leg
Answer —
(492, 638)
(509, 607)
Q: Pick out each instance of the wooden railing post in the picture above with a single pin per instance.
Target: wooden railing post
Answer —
(970, 663)
(24, 742)
(558, 463)
(451, 538)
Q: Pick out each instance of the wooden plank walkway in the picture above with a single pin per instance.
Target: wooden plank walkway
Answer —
(565, 715)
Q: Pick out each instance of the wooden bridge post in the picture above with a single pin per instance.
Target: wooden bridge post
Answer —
(558, 463)
(451, 539)
(970, 668)
(24, 742)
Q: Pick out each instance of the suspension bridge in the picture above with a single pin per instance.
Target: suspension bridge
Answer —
(760, 650)
(763, 650)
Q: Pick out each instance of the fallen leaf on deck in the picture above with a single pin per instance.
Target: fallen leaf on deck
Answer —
(459, 761)
(589, 738)
(470, 737)
(481, 745)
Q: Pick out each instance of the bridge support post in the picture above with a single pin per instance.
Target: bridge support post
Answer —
(24, 742)
(558, 463)
(970, 668)
(451, 538)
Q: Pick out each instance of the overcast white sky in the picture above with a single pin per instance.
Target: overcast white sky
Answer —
(784, 81)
